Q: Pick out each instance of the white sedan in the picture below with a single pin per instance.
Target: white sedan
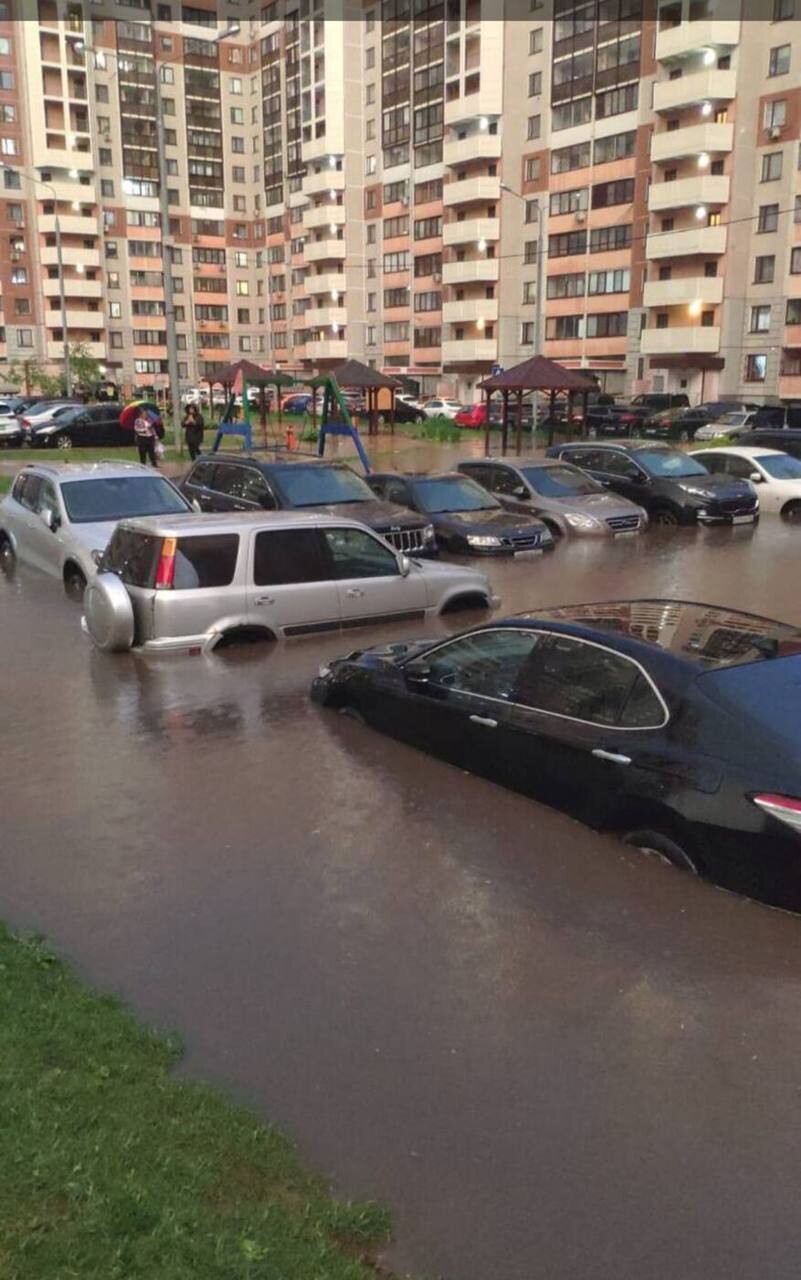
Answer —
(442, 408)
(777, 475)
(729, 424)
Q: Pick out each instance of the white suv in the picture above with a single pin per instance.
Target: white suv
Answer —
(58, 517)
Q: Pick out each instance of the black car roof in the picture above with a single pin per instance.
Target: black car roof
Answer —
(701, 636)
(266, 464)
(630, 446)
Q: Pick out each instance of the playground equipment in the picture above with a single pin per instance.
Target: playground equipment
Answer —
(335, 418)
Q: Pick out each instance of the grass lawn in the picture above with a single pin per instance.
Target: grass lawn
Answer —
(5, 484)
(114, 1169)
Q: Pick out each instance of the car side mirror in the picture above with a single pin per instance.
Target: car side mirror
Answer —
(755, 478)
(50, 518)
(196, 506)
(417, 672)
(404, 566)
(520, 492)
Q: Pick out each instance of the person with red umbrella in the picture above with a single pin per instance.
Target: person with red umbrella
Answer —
(146, 424)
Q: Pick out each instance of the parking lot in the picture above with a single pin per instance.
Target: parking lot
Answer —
(550, 1056)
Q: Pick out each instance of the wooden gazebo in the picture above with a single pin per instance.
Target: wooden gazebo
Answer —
(536, 374)
(355, 376)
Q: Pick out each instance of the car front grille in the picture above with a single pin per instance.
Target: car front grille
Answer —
(410, 541)
(732, 507)
(523, 541)
(619, 524)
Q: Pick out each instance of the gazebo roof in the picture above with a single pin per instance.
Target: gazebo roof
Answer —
(538, 374)
(355, 374)
(231, 375)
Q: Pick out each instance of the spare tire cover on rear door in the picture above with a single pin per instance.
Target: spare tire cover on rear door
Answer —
(109, 613)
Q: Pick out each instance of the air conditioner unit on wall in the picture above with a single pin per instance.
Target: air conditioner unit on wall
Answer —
(581, 216)
(775, 131)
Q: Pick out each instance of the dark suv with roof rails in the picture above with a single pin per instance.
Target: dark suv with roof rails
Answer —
(240, 482)
(788, 439)
(672, 486)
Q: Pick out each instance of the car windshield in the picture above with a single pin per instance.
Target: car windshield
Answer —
(730, 420)
(120, 497)
(669, 464)
(437, 496)
(560, 482)
(321, 486)
(780, 466)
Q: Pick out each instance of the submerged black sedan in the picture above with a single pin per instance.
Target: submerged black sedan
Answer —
(674, 725)
(467, 519)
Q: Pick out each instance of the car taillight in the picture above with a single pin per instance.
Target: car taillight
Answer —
(26, 422)
(165, 573)
(785, 808)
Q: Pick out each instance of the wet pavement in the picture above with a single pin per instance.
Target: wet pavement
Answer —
(550, 1056)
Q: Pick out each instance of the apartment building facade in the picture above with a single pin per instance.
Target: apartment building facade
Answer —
(437, 188)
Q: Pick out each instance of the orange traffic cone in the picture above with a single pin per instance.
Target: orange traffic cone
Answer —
(291, 442)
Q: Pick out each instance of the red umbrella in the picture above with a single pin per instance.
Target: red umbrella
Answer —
(131, 412)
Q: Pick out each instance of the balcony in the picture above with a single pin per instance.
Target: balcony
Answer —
(709, 85)
(472, 229)
(327, 349)
(676, 144)
(470, 310)
(316, 148)
(792, 336)
(675, 293)
(329, 282)
(471, 189)
(323, 215)
(476, 271)
(92, 320)
(55, 350)
(73, 288)
(72, 224)
(324, 317)
(685, 340)
(56, 159)
(707, 188)
(691, 37)
(71, 257)
(469, 351)
(679, 244)
(790, 386)
(325, 180)
(320, 250)
(477, 146)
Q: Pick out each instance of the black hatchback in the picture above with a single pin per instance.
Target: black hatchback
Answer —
(81, 426)
(239, 482)
(466, 518)
(672, 724)
(672, 486)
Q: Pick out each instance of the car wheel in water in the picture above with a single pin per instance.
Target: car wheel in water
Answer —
(664, 516)
(74, 583)
(63, 442)
(8, 557)
(663, 846)
(792, 513)
(554, 529)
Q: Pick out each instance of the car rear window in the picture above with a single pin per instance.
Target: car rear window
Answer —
(205, 561)
(133, 557)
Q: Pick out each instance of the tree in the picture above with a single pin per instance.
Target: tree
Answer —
(86, 370)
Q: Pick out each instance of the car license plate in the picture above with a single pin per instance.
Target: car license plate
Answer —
(627, 533)
(528, 554)
(742, 520)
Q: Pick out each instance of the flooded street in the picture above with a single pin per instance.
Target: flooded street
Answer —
(550, 1056)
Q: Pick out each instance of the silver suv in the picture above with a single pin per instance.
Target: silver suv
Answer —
(59, 516)
(165, 585)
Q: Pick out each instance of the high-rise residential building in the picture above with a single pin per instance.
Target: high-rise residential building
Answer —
(433, 187)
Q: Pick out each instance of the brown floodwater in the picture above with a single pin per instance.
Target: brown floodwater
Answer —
(550, 1056)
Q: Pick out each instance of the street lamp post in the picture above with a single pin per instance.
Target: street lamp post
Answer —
(60, 266)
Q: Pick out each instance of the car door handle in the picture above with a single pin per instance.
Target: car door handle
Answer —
(265, 599)
(614, 756)
(485, 720)
(354, 591)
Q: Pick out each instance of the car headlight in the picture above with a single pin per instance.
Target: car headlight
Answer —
(323, 673)
(696, 493)
(483, 540)
(578, 521)
(429, 533)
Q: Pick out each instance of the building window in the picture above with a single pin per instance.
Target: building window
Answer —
(779, 60)
(557, 327)
(615, 101)
(535, 84)
(567, 114)
(24, 337)
(566, 286)
(369, 95)
(793, 312)
(605, 194)
(617, 147)
(530, 252)
(775, 116)
(534, 128)
(707, 319)
(527, 333)
(614, 281)
(607, 324)
(603, 239)
(771, 166)
(768, 217)
(662, 320)
(529, 291)
(795, 261)
(569, 201)
(764, 267)
(535, 40)
(568, 158)
(532, 169)
(760, 319)
(756, 368)
(369, 58)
